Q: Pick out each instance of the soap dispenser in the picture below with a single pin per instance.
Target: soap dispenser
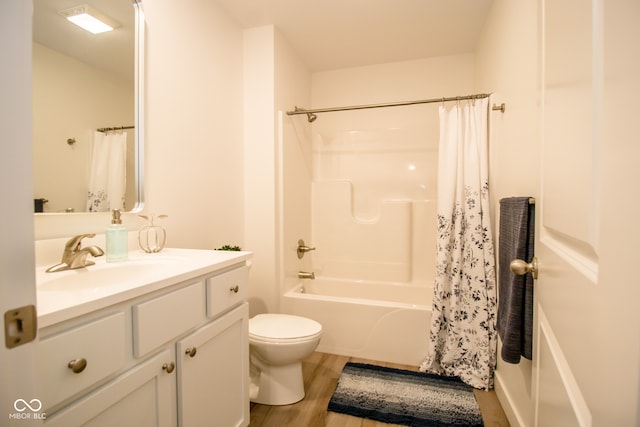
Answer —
(117, 238)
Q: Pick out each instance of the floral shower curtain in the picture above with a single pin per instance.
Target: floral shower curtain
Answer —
(463, 325)
(107, 173)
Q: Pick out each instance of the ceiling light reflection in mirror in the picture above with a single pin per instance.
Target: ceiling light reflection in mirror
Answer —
(87, 18)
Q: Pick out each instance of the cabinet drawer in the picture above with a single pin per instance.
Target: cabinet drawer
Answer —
(101, 344)
(142, 396)
(226, 290)
(161, 319)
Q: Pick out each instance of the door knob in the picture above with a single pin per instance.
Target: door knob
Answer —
(521, 267)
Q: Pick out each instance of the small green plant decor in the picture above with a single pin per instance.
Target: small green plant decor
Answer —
(229, 248)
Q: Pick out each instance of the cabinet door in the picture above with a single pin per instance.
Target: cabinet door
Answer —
(213, 373)
(144, 396)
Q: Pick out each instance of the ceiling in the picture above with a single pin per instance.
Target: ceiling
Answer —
(333, 34)
(326, 35)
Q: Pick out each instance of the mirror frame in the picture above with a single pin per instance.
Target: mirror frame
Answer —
(138, 120)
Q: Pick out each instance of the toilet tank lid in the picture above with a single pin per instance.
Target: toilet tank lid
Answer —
(282, 326)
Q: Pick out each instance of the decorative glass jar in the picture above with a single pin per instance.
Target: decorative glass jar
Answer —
(152, 237)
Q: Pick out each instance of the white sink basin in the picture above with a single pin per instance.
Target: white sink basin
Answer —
(104, 274)
(70, 293)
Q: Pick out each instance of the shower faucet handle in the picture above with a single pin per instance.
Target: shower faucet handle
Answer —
(302, 249)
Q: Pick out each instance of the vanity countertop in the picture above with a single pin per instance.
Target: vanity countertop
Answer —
(68, 294)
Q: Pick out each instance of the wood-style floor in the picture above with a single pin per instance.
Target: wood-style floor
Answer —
(321, 372)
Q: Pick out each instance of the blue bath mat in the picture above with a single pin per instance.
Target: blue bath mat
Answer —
(404, 397)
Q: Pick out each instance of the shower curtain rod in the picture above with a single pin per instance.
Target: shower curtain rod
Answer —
(115, 128)
(298, 110)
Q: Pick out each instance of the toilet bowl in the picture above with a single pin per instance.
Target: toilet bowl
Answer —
(277, 345)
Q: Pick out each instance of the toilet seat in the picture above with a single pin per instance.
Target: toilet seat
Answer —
(282, 328)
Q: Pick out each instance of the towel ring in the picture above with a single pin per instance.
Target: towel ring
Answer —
(521, 267)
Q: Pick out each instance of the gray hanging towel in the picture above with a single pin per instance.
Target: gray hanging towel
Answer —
(515, 293)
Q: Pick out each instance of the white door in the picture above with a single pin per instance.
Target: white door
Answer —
(588, 292)
(19, 404)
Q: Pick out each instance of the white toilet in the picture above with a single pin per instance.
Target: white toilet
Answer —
(278, 343)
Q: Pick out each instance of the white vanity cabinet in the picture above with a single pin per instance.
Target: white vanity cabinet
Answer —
(144, 396)
(74, 359)
(210, 361)
(177, 356)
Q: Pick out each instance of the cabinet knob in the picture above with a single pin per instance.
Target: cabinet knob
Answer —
(234, 289)
(169, 367)
(191, 351)
(77, 365)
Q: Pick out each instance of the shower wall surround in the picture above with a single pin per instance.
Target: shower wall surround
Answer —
(373, 202)
(375, 171)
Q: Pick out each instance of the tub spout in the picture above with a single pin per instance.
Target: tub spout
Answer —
(306, 275)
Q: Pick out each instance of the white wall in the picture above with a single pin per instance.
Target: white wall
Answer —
(193, 140)
(396, 81)
(70, 100)
(260, 167)
(293, 133)
(194, 166)
(276, 174)
(507, 65)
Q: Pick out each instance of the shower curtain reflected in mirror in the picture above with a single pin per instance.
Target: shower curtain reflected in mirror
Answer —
(107, 173)
(463, 324)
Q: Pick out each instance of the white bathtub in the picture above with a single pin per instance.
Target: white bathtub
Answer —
(389, 324)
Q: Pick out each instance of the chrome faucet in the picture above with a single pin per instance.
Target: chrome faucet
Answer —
(74, 256)
(306, 275)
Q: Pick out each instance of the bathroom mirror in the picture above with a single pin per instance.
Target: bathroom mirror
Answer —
(82, 82)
